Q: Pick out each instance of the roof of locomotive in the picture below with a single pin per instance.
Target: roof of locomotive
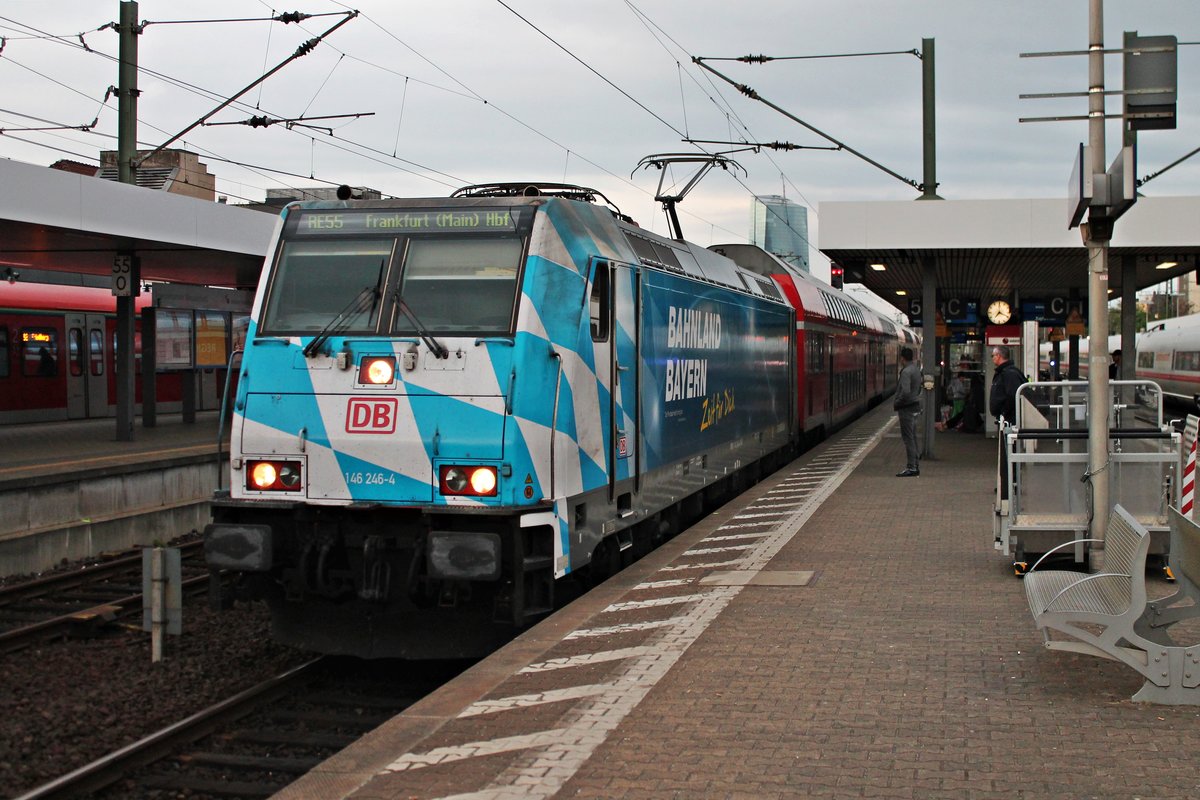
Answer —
(651, 248)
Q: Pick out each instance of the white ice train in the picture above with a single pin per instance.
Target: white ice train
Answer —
(1168, 353)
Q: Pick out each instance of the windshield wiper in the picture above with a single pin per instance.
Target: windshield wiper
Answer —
(361, 302)
(433, 344)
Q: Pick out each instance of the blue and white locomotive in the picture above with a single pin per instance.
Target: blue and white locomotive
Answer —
(448, 405)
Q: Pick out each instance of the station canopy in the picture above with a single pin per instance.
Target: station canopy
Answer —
(1018, 250)
(57, 221)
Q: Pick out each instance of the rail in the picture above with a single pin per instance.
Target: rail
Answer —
(113, 767)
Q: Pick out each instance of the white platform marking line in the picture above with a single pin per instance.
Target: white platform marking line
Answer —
(664, 584)
(633, 605)
(733, 537)
(732, 526)
(557, 755)
(443, 755)
(586, 659)
(702, 565)
(757, 516)
(708, 551)
(499, 704)
(612, 630)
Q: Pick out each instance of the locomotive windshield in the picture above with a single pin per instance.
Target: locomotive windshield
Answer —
(460, 284)
(317, 281)
(456, 278)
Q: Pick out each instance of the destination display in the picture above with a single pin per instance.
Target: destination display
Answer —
(393, 221)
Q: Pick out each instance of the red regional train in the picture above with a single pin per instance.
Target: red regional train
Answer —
(57, 354)
(847, 355)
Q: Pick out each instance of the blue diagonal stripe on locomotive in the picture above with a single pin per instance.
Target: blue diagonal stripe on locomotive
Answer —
(458, 427)
(284, 381)
(587, 231)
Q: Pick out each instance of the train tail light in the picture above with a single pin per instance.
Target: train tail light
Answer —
(377, 370)
(468, 481)
(273, 476)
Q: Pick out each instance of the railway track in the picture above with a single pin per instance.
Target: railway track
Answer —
(77, 602)
(256, 742)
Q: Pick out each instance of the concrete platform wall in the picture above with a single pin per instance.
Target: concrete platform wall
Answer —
(67, 517)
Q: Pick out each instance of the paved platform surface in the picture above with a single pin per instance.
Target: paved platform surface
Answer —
(838, 632)
(42, 449)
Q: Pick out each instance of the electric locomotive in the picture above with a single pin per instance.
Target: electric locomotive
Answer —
(446, 406)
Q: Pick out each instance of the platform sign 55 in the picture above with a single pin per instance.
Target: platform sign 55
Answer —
(371, 414)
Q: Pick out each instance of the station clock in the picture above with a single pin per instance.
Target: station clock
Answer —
(999, 312)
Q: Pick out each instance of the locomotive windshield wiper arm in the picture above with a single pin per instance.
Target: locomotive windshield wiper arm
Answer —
(342, 320)
(433, 344)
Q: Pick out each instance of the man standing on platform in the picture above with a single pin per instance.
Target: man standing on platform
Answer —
(1005, 382)
(908, 407)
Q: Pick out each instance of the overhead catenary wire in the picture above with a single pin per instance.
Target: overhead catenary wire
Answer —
(729, 113)
(360, 149)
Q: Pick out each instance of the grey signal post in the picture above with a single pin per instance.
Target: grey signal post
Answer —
(1150, 74)
(127, 280)
(1097, 233)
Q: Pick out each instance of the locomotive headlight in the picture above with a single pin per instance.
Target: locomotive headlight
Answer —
(470, 481)
(378, 370)
(272, 476)
(263, 475)
(483, 481)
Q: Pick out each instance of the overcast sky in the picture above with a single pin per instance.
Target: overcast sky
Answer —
(579, 91)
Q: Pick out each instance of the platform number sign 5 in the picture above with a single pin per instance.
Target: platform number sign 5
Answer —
(122, 275)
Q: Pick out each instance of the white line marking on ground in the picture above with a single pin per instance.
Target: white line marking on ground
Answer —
(442, 755)
(612, 630)
(757, 516)
(702, 565)
(633, 605)
(731, 526)
(540, 698)
(665, 584)
(586, 659)
(733, 537)
(708, 551)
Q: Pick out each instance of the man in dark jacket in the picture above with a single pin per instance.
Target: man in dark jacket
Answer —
(908, 407)
(1005, 382)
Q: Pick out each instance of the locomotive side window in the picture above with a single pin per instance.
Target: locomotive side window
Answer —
(39, 347)
(598, 303)
(3, 351)
(466, 284)
(316, 282)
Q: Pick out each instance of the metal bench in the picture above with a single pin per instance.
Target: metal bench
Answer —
(1107, 614)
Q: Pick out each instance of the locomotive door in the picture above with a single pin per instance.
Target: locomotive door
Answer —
(626, 373)
(616, 296)
(87, 383)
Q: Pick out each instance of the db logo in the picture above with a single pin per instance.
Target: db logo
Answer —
(371, 415)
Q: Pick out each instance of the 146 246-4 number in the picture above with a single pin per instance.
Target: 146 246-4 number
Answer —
(370, 478)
